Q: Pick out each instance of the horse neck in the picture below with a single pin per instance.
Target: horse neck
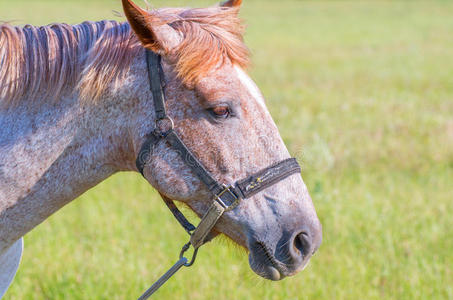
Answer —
(50, 154)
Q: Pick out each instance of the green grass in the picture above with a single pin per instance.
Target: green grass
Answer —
(362, 93)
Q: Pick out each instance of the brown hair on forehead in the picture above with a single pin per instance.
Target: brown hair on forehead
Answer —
(211, 36)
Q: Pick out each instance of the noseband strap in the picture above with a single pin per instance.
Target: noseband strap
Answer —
(225, 197)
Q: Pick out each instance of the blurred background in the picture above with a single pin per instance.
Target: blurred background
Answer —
(362, 92)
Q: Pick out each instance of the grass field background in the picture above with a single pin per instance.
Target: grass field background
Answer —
(362, 92)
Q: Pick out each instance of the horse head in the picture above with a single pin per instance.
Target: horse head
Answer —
(221, 116)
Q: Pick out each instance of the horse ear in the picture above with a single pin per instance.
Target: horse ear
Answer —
(231, 3)
(152, 32)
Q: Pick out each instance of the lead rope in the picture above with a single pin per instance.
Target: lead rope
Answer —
(182, 262)
(197, 239)
(164, 278)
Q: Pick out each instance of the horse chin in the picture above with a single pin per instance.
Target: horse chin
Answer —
(265, 269)
(263, 262)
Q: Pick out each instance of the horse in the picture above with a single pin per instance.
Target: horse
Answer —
(75, 108)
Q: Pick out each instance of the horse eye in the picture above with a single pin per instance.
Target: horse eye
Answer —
(221, 111)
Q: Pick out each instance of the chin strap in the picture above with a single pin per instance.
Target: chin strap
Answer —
(225, 197)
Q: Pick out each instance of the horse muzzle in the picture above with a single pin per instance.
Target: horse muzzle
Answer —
(287, 257)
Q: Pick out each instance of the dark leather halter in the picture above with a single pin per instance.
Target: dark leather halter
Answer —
(225, 197)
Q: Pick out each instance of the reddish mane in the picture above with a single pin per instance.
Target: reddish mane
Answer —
(50, 61)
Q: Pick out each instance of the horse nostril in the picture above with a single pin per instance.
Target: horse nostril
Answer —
(302, 244)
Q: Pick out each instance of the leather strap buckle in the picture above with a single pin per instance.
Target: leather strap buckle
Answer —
(227, 197)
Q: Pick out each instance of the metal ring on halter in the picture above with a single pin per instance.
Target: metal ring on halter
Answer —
(194, 256)
(164, 126)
